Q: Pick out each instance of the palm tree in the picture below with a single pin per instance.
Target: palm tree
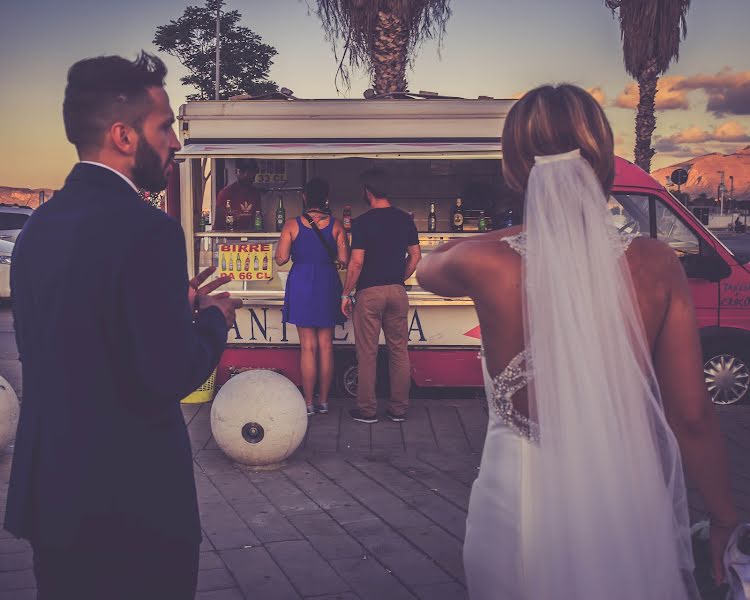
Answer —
(382, 36)
(651, 32)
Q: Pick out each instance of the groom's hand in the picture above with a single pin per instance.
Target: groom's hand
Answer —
(195, 290)
(226, 305)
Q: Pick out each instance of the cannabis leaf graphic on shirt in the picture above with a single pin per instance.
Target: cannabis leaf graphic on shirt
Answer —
(245, 207)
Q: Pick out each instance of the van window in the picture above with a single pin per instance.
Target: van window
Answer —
(673, 231)
(630, 213)
(12, 220)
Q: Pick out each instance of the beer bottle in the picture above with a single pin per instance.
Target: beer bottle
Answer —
(256, 263)
(432, 219)
(239, 263)
(482, 222)
(231, 263)
(280, 214)
(457, 216)
(347, 220)
(224, 262)
(229, 219)
(258, 220)
(247, 263)
(265, 262)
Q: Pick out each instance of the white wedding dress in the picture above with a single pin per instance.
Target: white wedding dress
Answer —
(492, 548)
(585, 500)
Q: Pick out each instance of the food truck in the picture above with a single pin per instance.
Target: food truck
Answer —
(443, 156)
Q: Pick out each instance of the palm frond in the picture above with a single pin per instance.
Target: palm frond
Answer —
(352, 24)
(651, 31)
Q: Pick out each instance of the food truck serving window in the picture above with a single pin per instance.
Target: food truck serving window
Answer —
(236, 217)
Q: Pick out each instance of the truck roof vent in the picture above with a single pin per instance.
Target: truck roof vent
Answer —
(281, 94)
(370, 94)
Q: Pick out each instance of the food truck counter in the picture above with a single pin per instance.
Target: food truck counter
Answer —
(248, 258)
(443, 332)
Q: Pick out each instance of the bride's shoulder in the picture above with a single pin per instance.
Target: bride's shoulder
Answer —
(654, 256)
(648, 247)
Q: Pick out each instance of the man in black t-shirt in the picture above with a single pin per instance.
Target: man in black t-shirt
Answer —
(385, 252)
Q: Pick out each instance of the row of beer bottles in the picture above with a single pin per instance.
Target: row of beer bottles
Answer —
(456, 220)
(258, 220)
(280, 216)
(236, 264)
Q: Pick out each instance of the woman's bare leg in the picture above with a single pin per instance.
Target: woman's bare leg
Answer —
(308, 361)
(325, 358)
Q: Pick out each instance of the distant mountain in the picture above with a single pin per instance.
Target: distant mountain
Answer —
(23, 196)
(704, 176)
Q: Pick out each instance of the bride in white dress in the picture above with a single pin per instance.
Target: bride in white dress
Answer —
(594, 381)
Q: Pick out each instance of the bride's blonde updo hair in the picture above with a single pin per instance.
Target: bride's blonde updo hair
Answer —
(552, 120)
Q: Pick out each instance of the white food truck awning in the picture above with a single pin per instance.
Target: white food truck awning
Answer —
(344, 149)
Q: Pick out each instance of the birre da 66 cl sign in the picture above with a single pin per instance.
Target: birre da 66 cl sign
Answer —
(248, 262)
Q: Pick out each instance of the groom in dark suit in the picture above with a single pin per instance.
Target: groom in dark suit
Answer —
(111, 335)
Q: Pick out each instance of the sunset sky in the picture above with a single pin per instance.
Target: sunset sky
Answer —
(499, 48)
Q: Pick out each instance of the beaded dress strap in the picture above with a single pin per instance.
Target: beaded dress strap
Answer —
(620, 240)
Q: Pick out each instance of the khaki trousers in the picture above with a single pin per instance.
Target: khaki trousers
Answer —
(383, 307)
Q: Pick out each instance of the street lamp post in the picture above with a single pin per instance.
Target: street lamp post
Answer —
(218, 49)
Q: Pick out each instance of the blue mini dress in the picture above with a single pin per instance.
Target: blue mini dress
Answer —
(313, 288)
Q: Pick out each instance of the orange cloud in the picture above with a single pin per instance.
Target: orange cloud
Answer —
(678, 144)
(598, 94)
(668, 96)
(728, 91)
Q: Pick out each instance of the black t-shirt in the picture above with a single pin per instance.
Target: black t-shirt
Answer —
(384, 234)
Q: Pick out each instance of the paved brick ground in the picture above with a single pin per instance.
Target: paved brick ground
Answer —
(360, 512)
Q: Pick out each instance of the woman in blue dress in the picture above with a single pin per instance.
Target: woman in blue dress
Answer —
(313, 289)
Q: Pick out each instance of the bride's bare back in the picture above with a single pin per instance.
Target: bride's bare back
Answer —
(489, 271)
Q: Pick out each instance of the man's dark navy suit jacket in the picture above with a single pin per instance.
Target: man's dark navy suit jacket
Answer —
(109, 345)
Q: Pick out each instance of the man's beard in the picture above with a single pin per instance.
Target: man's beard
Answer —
(148, 172)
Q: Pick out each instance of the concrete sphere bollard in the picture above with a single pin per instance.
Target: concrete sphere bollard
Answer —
(259, 418)
(9, 409)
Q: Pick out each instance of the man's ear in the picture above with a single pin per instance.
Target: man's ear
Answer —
(124, 138)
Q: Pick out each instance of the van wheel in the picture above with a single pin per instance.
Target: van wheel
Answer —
(347, 379)
(727, 376)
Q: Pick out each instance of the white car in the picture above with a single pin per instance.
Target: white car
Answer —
(12, 219)
(6, 249)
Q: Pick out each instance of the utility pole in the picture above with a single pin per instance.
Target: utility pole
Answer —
(218, 48)
(721, 192)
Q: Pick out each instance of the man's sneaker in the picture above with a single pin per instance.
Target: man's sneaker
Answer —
(310, 411)
(322, 409)
(357, 415)
(395, 418)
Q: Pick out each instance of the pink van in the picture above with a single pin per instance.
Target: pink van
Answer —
(444, 338)
(719, 282)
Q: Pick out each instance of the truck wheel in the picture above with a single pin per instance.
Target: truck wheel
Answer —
(727, 374)
(347, 379)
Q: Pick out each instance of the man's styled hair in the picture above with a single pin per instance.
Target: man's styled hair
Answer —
(376, 182)
(107, 89)
(246, 164)
(316, 192)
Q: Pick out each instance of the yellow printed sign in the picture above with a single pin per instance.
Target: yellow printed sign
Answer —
(248, 262)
